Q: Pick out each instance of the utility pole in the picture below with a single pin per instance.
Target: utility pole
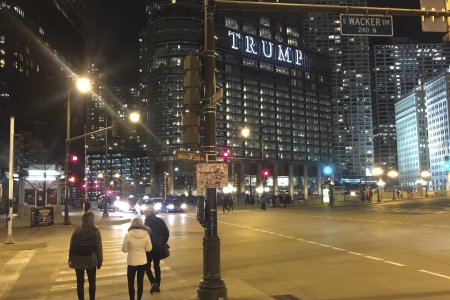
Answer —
(211, 287)
(9, 239)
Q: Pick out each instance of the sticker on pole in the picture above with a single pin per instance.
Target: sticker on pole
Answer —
(212, 175)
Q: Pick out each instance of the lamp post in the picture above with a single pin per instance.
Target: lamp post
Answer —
(378, 171)
(392, 174)
(245, 133)
(425, 174)
(83, 85)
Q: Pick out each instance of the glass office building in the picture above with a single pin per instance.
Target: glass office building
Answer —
(396, 70)
(272, 85)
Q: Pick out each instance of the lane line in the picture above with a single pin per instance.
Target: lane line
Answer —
(435, 274)
(394, 263)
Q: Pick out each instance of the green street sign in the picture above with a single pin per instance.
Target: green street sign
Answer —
(365, 25)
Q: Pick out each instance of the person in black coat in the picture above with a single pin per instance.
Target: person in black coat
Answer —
(85, 253)
(159, 236)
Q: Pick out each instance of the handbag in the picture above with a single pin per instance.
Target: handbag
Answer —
(165, 252)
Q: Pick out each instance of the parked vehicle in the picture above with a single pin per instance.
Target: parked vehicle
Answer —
(173, 205)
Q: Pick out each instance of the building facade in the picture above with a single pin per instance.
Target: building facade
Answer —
(35, 62)
(350, 83)
(396, 70)
(271, 85)
(437, 93)
(412, 137)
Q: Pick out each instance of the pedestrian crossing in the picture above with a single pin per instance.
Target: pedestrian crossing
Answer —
(403, 210)
(112, 275)
(11, 270)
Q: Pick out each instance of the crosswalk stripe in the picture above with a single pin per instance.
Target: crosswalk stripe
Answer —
(113, 271)
(11, 270)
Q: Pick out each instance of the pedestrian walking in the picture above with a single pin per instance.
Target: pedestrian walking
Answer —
(85, 254)
(136, 243)
(159, 236)
(230, 204)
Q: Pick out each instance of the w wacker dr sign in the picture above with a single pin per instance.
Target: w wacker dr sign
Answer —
(366, 25)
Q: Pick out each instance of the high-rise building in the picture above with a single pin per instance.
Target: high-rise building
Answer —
(271, 85)
(350, 83)
(116, 159)
(396, 70)
(437, 92)
(41, 46)
(412, 136)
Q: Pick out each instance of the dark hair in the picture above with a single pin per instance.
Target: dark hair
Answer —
(87, 220)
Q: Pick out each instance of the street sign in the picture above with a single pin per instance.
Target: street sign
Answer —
(218, 95)
(212, 175)
(365, 25)
(189, 155)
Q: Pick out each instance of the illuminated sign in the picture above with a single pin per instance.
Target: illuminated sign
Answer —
(266, 49)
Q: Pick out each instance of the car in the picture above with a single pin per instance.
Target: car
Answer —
(147, 202)
(173, 205)
(106, 201)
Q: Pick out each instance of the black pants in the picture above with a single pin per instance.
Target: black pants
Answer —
(80, 283)
(152, 257)
(131, 274)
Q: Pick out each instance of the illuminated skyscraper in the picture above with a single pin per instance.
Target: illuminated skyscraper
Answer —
(397, 69)
(271, 85)
(350, 83)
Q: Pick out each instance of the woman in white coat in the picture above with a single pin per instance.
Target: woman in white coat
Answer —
(136, 244)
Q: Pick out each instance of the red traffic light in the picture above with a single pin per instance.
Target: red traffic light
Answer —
(74, 158)
(266, 173)
(225, 154)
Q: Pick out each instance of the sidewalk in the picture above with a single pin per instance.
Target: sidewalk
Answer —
(21, 227)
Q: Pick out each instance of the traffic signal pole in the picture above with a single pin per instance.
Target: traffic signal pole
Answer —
(211, 287)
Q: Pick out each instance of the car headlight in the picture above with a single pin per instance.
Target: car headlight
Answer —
(170, 206)
(143, 207)
(183, 206)
(117, 203)
(157, 206)
(124, 206)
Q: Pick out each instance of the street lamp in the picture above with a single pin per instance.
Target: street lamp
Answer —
(245, 133)
(135, 117)
(425, 174)
(392, 174)
(378, 171)
(83, 85)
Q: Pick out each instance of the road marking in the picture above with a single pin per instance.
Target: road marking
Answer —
(435, 274)
(11, 270)
(394, 263)
(372, 257)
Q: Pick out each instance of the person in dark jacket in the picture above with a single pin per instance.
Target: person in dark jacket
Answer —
(159, 236)
(85, 254)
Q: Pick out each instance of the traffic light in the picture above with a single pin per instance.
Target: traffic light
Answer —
(72, 179)
(327, 170)
(192, 97)
(446, 163)
(265, 174)
(225, 154)
(74, 158)
(431, 23)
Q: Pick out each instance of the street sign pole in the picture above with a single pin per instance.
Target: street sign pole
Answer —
(211, 287)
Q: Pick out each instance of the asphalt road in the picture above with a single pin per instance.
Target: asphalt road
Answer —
(395, 250)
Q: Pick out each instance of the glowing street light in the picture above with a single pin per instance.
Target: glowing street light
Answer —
(245, 132)
(135, 117)
(392, 174)
(425, 174)
(83, 85)
(378, 171)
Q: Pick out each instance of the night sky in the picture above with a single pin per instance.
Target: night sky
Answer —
(113, 27)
